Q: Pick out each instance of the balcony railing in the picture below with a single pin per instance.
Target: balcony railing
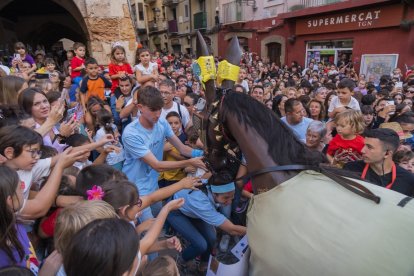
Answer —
(149, 1)
(172, 26)
(152, 26)
(200, 20)
(170, 3)
(317, 3)
(233, 12)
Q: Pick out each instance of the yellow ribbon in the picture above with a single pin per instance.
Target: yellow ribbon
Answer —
(207, 67)
(227, 71)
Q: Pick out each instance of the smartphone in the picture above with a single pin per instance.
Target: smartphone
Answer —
(16, 56)
(398, 84)
(41, 76)
(201, 103)
(391, 102)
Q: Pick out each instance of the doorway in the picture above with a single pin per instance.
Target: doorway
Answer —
(274, 52)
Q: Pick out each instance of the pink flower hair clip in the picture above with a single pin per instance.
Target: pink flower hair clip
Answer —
(95, 193)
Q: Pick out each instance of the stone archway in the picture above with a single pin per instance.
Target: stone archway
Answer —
(97, 23)
(268, 43)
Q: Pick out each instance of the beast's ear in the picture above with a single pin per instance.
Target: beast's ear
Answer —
(201, 46)
(233, 56)
(209, 85)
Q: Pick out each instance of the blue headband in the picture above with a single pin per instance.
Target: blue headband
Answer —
(220, 189)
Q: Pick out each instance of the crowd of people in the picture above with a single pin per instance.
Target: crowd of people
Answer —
(102, 167)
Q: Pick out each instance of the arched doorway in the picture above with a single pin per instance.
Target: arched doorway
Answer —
(274, 52)
(273, 47)
(40, 23)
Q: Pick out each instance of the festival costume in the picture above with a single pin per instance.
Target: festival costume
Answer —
(360, 237)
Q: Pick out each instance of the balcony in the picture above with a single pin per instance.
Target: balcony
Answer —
(172, 26)
(303, 4)
(149, 2)
(170, 3)
(200, 21)
(233, 12)
(152, 26)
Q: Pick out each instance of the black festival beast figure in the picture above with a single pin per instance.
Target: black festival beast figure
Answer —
(304, 218)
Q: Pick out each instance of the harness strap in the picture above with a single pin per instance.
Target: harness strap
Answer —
(344, 182)
(247, 176)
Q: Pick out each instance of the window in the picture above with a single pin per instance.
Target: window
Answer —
(134, 14)
(186, 13)
(140, 12)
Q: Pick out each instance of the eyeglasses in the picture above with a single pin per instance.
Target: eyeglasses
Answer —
(186, 104)
(138, 203)
(166, 93)
(35, 153)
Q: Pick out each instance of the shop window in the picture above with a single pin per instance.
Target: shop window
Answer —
(338, 52)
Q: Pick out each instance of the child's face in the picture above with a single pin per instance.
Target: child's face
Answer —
(175, 124)
(80, 52)
(344, 94)
(21, 51)
(27, 158)
(50, 67)
(408, 165)
(119, 55)
(368, 118)
(344, 128)
(144, 57)
(92, 70)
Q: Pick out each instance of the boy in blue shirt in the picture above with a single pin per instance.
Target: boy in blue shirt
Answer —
(143, 142)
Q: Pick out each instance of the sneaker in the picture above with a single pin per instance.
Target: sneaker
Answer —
(224, 243)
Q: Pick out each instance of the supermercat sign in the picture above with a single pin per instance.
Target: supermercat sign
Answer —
(380, 17)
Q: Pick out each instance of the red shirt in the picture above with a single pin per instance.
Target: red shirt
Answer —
(75, 63)
(248, 187)
(338, 144)
(48, 224)
(115, 69)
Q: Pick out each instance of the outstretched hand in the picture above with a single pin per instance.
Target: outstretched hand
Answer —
(175, 204)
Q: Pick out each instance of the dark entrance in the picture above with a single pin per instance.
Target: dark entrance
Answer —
(40, 22)
(274, 52)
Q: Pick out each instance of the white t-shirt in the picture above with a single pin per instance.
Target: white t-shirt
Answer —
(146, 71)
(185, 116)
(41, 169)
(353, 103)
(80, 165)
(245, 84)
(113, 157)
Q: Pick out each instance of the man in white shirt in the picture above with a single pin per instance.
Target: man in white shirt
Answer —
(167, 89)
